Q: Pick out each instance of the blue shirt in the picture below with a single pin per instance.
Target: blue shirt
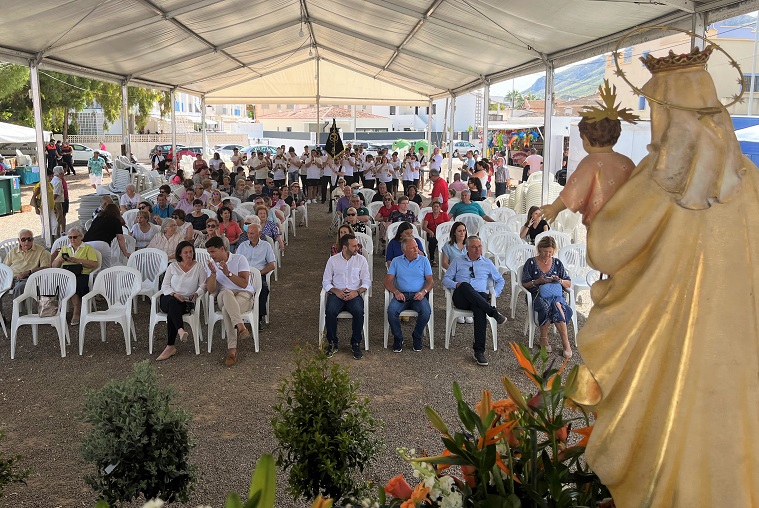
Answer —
(163, 213)
(409, 275)
(461, 269)
(470, 207)
(452, 251)
(394, 249)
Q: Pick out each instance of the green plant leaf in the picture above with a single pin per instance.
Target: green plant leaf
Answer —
(453, 460)
(436, 420)
(102, 503)
(457, 392)
(233, 501)
(264, 481)
(515, 394)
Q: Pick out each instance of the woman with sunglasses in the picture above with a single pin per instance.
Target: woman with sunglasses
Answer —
(215, 202)
(81, 259)
(212, 230)
(351, 217)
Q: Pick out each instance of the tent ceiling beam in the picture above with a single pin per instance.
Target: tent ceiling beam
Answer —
(683, 5)
(307, 21)
(374, 65)
(413, 31)
(369, 75)
(220, 47)
(383, 44)
(132, 26)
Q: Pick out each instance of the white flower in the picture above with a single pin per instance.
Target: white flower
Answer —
(454, 500)
(429, 482)
(153, 503)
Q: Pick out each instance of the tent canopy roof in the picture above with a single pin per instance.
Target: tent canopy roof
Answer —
(368, 51)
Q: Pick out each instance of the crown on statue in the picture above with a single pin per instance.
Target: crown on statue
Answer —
(696, 58)
(607, 107)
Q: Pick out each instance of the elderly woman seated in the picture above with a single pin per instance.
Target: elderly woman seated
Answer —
(546, 279)
(168, 239)
(269, 227)
(212, 230)
(81, 259)
(351, 217)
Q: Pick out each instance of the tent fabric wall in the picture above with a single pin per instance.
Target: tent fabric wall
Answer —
(10, 133)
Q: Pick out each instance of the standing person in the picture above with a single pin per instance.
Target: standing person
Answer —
(58, 197)
(51, 149)
(293, 166)
(279, 169)
(96, 165)
(408, 172)
(469, 277)
(501, 175)
(236, 158)
(25, 259)
(229, 279)
(468, 167)
(81, 259)
(183, 284)
(67, 157)
(346, 278)
(328, 178)
(439, 191)
(259, 168)
(260, 255)
(313, 175)
(422, 160)
(532, 164)
(436, 160)
(370, 172)
(409, 279)
(36, 202)
(215, 162)
(302, 168)
(430, 223)
(384, 175)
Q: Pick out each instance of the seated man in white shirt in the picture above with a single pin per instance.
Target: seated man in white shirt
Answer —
(346, 278)
(259, 255)
(228, 278)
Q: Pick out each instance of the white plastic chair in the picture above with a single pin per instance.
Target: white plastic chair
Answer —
(290, 220)
(118, 285)
(215, 316)
(502, 201)
(343, 315)
(277, 255)
(8, 245)
(305, 214)
(151, 263)
(235, 201)
(367, 250)
(501, 214)
(393, 228)
(130, 216)
(211, 214)
(562, 239)
(516, 257)
(117, 258)
(530, 323)
(570, 221)
(488, 229)
(414, 208)
(486, 206)
(250, 207)
(499, 244)
(574, 259)
(6, 283)
(368, 194)
(515, 222)
(452, 201)
(59, 243)
(473, 222)
(452, 313)
(49, 281)
(442, 234)
(203, 257)
(158, 316)
(414, 314)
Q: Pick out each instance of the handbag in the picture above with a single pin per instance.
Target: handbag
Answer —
(550, 290)
(48, 305)
(75, 269)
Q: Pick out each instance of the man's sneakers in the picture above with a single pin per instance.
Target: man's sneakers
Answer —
(417, 346)
(499, 318)
(357, 353)
(481, 359)
(331, 350)
(397, 346)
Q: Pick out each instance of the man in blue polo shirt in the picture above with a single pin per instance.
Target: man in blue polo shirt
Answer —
(162, 210)
(409, 279)
(466, 205)
(470, 278)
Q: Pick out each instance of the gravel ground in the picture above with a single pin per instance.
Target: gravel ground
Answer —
(42, 393)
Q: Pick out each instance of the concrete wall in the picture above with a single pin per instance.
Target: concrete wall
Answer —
(143, 143)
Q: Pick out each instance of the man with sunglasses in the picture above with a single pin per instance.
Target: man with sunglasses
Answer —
(26, 259)
(471, 278)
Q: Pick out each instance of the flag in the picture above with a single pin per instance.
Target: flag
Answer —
(334, 145)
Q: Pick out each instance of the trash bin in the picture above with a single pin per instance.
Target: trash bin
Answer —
(15, 193)
(28, 174)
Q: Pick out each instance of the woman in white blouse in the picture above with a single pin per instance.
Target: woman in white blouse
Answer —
(183, 284)
(142, 230)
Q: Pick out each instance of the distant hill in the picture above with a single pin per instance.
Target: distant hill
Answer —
(577, 81)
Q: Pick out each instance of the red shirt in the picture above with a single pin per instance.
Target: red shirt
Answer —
(432, 222)
(385, 211)
(440, 188)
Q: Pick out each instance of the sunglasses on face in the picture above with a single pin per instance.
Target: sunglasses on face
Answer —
(211, 226)
(73, 237)
(350, 215)
(388, 199)
(27, 239)
(142, 207)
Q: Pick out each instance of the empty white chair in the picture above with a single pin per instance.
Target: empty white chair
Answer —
(250, 207)
(6, 283)
(414, 208)
(486, 206)
(499, 244)
(452, 201)
(130, 216)
(367, 250)
(501, 214)
(570, 222)
(574, 259)
(537, 176)
(561, 239)
(414, 314)
(8, 245)
(202, 257)
(151, 263)
(502, 201)
(343, 315)
(516, 222)
(290, 220)
(235, 201)
(472, 221)
(488, 229)
(51, 281)
(368, 194)
(516, 257)
(158, 316)
(452, 313)
(211, 214)
(118, 285)
(214, 316)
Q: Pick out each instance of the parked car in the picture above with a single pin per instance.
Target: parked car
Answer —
(83, 153)
(462, 147)
(226, 149)
(250, 151)
(192, 151)
(165, 148)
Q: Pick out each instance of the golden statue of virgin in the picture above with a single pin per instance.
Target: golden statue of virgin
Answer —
(673, 338)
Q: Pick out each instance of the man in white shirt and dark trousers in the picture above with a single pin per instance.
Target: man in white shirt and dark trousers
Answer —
(259, 255)
(229, 274)
(469, 276)
(346, 278)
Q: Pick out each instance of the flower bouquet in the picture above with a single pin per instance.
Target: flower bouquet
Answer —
(510, 452)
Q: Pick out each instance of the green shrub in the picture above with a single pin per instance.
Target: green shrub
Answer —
(326, 433)
(139, 443)
(9, 470)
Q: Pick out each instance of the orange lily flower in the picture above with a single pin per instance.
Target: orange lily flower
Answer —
(420, 494)
(495, 434)
(320, 502)
(469, 476)
(585, 432)
(398, 487)
(551, 379)
(502, 466)
(485, 405)
(504, 407)
(525, 363)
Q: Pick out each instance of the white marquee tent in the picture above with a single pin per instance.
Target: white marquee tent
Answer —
(350, 51)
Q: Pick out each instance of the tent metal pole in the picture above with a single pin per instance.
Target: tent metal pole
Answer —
(125, 119)
(429, 131)
(354, 122)
(175, 159)
(450, 137)
(550, 71)
(203, 129)
(485, 113)
(37, 106)
(318, 106)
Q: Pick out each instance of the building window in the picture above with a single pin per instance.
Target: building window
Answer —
(434, 109)
(289, 129)
(392, 110)
(641, 103)
(747, 83)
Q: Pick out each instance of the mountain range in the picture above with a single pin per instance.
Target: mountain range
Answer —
(578, 81)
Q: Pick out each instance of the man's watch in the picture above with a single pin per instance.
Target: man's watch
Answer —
(425, 291)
